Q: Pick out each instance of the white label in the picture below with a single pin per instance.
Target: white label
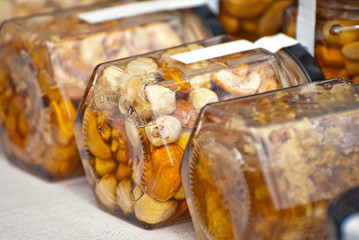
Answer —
(306, 24)
(138, 8)
(214, 51)
(273, 44)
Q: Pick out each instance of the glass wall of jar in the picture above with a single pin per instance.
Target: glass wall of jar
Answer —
(265, 166)
(252, 19)
(20, 8)
(337, 38)
(46, 61)
(137, 114)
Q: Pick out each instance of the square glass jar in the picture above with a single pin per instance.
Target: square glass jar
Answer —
(46, 61)
(266, 166)
(137, 114)
(20, 8)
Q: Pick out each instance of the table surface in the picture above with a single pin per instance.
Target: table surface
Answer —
(31, 208)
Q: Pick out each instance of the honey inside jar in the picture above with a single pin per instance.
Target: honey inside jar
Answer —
(337, 39)
(137, 116)
(14, 8)
(252, 19)
(46, 61)
(266, 166)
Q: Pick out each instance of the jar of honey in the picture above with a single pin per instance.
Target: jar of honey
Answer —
(266, 166)
(337, 38)
(252, 19)
(47, 59)
(137, 114)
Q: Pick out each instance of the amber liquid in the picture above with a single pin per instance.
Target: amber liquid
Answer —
(333, 36)
(226, 213)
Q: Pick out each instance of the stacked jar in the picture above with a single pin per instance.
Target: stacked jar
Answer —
(137, 115)
(252, 19)
(46, 61)
(337, 38)
(19, 8)
(266, 166)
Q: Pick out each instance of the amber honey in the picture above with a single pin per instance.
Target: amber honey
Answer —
(266, 166)
(138, 113)
(46, 61)
(255, 216)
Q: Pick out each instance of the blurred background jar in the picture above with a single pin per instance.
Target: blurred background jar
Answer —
(20, 8)
(266, 166)
(46, 61)
(290, 14)
(252, 19)
(337, 38)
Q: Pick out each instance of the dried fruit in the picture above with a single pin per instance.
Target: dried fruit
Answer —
(198, 98)
(164, 130)
(152, 211)
(123, 171)
(165, 180)
(201, 81)
(132, 134)
(141, 65)
(351, 51)
(105, 190)
(103, 167)
(124, 199)
(246, 8)
(185, 113)
(162, 99)
(237, 84)
(93, 139)
(175, 81)
(271, 21)
(163, 36)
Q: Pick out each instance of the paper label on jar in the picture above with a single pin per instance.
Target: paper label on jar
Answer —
(214, 51)
(137, 8)
(275, 42)
(272, 44)
(306, 24)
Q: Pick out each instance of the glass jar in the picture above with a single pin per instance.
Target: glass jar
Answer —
(137, 114)
(266, 166)
(20, 8)
(46, 61)
(337, 38)
(290, 19)
(252, 19)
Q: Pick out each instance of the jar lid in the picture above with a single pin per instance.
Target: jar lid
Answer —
(210, 20)
(306, 62)
(342, 212)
